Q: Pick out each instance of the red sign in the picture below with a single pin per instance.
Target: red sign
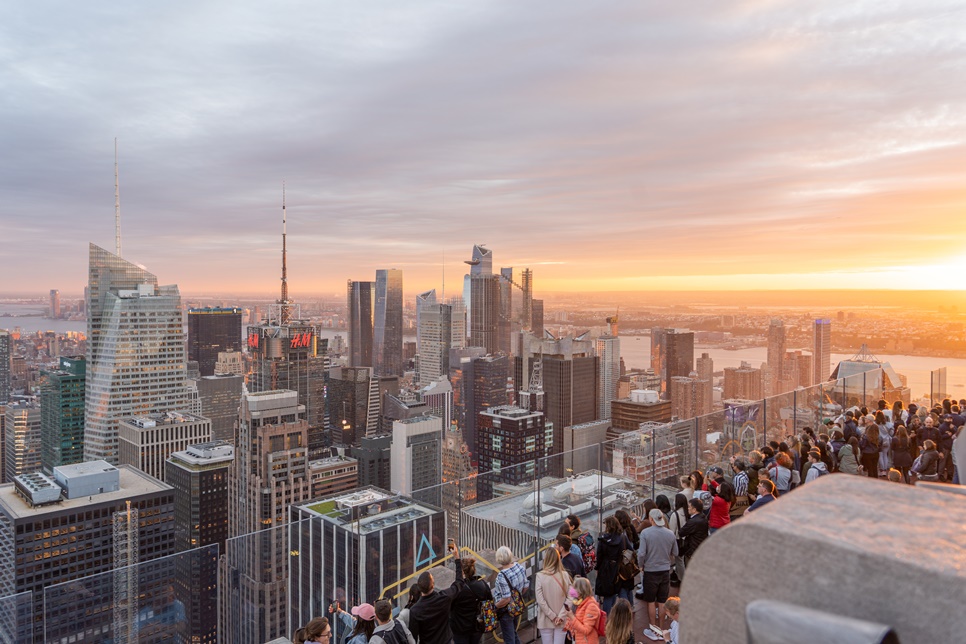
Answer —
(253, 340)
(301, 340)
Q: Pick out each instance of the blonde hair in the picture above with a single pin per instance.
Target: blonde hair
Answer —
(504, 556)
(551, 562)
(672, 606)
(895, 475)
(583, 587)
(620, 622)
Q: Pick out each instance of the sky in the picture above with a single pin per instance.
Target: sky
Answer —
(612, 145)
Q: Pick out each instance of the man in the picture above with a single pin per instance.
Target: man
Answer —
(816, 467)
(573, 563)
(695, 531)
(714, 478)
(947, 433)
(387, 630)
(740, 483)
(429, 617)
(850, 426)
(655, 556)
(766, 494)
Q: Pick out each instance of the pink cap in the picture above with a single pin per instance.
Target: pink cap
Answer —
(364, 611)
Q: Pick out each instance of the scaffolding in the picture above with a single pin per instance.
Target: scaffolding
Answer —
(125, 525)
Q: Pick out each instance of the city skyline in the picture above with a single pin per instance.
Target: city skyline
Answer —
(773, 146)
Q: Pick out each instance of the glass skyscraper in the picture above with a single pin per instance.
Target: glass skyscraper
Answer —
(62, 414)
(387, 327)
(360, 305)
(211, 331)
(136, 361)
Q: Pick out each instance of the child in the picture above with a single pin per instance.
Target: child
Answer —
(672, 608)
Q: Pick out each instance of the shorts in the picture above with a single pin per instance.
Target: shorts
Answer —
(656, 586)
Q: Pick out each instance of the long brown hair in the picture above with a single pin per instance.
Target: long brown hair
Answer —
(872, 434)
(620, 622)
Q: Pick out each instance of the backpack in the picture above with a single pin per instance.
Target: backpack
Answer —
(586, 544)
(601, 622)
(627, 567)
(395, 636)
(820, 472)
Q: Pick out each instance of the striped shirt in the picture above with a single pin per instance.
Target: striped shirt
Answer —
(741, 484)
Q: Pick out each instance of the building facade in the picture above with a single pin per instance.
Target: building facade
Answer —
(434, 337)
(211, 331)
(387, 332)
(146, 442)
(23, 438)
(62, 413)
(822, 350)
(417, 452)
(361, 307)
(220, 395)
(609, 365)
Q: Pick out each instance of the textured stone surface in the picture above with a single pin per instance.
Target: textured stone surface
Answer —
(851, 546)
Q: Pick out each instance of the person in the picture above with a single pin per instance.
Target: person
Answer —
(466, 604)
(816, 467)
(947, 434)
(697, 480)
(625, 588)
(782, 472)
(551, 587)
(768, 452)
(766, 494)
(673, 609)
(361, 622)
(894, 475)
(389, 631)
(511, 575)
(835, 444)
(713, 479)
(318, 630)
(429, 617)
(298, 637)
(721, 499)
(740, 483)
(678, 520)
(573, 563)
(928, 469)
(885, 441)
(869, 449)
(695, 531)
(611, 545)
(658, 549)
(414, 596)
(620, 623)
(901, 452)
(663, 504)
(849, 455)
(582, 624)
(850, 428)
(686, 488)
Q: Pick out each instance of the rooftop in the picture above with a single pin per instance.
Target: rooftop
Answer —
(368, 509)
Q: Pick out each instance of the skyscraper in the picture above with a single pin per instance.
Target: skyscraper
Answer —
(479, 382)
(23, 437)
(417, 452)
(679, 346)
(609, 363)
(136, 362)
(268, 475)
(434, 337)
(387, 325)
(6, 350)
(690, 397)
(659, 354)
(54, 303)
(353, 404)
(146, 442)
(361, 306)
(210, 331)
(62, 414)
(775, 358)
(744, 382)
(822, 350)
(220, 395)
(482, 294)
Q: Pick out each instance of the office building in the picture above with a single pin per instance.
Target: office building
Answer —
(6, 352)
(536, 319)
(659, 354)
(270, 473)
(62, 413)
(352, 546)
(641, 406)
(136, 361)
(417, 469)
(705, 367)
(229, 363)
(387, 349)
(54, 303)
(512, 441)
(570, 379)
(799, 370)
(199, 476)
(679, 347)
(459, 477)
(458, 322)
(821, 350)
(482, 295)
(583, 446)
(211, 331)
(85, 520)
(333, 475)
(744, 382)
(775, 357)
(690, 397)
(219, 396)
(146, 442)
(22, 435)
(438, 398)
(361, 308)
(479, 383)
(434, 338)
(374, 456)
(609, 365)
(354, 404)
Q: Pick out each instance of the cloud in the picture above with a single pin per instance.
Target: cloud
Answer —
(593, 141)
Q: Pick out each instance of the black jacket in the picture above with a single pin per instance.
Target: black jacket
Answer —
(610, 549)
(429, 617)
(466, 604)
(692, 534)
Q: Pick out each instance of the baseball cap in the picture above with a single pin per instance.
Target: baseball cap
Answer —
(717, 470)
(657, 518)
(364, 611)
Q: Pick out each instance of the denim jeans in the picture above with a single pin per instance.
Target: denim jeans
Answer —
(608, 602)
(508, 626)
(628, 594)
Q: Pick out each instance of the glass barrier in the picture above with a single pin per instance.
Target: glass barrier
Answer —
(152, 601)
(17, 618)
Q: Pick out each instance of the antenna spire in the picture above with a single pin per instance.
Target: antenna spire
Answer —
(285, 312)
(117, 206)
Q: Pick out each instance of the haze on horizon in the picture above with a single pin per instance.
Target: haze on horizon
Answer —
(616, 146)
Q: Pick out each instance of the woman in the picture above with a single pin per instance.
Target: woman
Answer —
(620, 622)
(611, 545)
(626, 588)
(552, 585)
(697, 481)
(885, 442)
(414, 596)
(686, 488)
(664, 505)
(677, 521)
(901, 454)
(835, 446)
(583, 623)
(899, 415)
(869, 448)
(782, 472)
(466, 604)
(849, 456)
(721, 500)
(317, 630)
(362, 621)
(509, 569)
(928, 469)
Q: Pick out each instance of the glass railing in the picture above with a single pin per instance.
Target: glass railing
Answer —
(264, 585)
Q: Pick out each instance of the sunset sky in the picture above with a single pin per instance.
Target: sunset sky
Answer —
(607, 145)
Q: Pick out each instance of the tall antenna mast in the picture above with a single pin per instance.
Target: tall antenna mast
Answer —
(285, 312)
(443, 298)
(117, 206)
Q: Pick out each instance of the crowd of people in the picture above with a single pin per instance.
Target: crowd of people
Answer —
(645, 557)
